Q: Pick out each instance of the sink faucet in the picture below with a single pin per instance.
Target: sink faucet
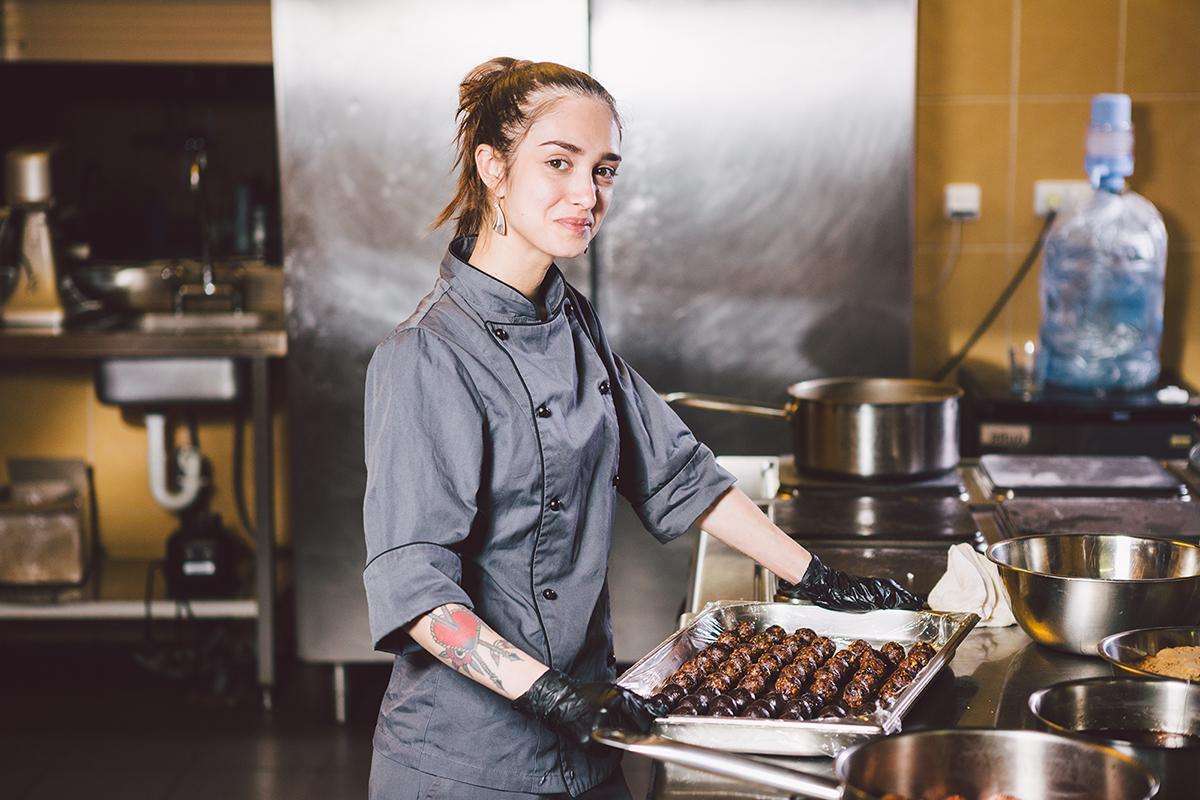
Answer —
(197, 152)
(197, 163)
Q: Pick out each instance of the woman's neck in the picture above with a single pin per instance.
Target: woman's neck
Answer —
(511, 259)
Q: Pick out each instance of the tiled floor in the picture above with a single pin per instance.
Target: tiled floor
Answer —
(86, 723)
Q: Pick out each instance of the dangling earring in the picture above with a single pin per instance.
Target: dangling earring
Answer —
(499, 225)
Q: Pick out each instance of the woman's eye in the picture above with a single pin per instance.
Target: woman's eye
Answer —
(610, 174)
(554, 161)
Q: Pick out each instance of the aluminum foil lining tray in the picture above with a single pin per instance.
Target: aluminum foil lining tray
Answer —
(797, 738)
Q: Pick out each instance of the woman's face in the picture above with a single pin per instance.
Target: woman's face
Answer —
(560, 179)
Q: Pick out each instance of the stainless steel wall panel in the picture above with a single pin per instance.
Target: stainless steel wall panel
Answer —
(366, 92)
(761, 231)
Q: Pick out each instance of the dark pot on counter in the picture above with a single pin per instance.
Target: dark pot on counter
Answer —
(866, 428)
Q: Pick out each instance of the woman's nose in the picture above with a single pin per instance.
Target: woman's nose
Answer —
(583, 193)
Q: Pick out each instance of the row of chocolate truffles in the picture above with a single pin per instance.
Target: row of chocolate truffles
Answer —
(798, 676)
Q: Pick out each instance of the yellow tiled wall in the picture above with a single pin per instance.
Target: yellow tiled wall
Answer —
(1003, 93)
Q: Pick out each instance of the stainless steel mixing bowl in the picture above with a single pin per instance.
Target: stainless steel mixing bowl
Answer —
(1128, 649)
(1069, 591)
(1155, 722)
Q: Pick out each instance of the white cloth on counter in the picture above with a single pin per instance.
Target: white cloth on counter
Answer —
(972, 585)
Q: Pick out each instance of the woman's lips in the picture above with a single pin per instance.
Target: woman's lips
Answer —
(578, 228)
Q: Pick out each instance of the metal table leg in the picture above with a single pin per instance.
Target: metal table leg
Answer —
(264, 518)
(339, 693)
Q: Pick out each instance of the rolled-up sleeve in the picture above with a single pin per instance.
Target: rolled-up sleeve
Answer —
(424, 429)
(668, 476)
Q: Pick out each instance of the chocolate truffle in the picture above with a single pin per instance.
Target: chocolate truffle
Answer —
(727, 638)
(757, 710)
(893, 652)
(723, 707)
(744, 629)
(698, 700)
(776, 632)
(740, 697)
(718, 680)
(805, 635)
(672, 693)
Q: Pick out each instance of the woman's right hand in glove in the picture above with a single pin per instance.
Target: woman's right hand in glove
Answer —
(574, 709)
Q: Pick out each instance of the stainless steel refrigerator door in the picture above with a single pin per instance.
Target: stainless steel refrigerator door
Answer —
(366, 92)
(761, 230)
(762, 227)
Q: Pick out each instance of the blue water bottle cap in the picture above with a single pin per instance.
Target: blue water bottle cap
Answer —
(1109, 156)
(1112, 111)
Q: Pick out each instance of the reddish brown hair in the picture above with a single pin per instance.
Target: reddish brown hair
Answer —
(495, 107)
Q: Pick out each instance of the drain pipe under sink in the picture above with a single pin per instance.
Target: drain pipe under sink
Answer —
(190, 464)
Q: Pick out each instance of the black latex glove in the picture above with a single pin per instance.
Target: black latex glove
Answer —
(832, 588)
(574, 710)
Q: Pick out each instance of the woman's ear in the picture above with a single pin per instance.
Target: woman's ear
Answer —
(490, 167)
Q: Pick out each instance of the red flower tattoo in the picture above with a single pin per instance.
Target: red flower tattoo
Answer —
(457, 630)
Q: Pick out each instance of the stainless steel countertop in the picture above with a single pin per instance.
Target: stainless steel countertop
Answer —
(36, 344)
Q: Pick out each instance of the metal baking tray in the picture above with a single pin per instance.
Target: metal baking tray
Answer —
(797, 738)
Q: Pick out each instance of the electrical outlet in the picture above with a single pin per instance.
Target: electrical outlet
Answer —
(963, 200)
(1058, 195)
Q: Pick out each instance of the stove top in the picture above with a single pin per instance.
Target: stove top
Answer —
(812, 516)
(1080, 476)
(1157, 517)
(948, 484)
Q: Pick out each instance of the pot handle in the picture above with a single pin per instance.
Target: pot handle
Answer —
(712, 402)
(718, 762)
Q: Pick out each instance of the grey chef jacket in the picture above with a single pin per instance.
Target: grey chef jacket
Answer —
(495, 443)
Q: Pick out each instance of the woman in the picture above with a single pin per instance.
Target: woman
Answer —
(499, 428)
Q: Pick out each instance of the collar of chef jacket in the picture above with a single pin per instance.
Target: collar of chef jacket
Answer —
(495, 300)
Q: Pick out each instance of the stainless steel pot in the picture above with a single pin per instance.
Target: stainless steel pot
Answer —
(1155, 722)
(974, 762)
(878, 428)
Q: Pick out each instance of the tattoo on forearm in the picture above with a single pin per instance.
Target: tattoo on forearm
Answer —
(458, 631)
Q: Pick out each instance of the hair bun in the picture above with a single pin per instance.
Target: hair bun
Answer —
(481, 78)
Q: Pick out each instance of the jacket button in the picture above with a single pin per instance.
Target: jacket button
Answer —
(616, 479)
(604, 387)
(612, 658)
(568, 306)
(555, 504)
(542, 411)
(549, 594)
(500, 333)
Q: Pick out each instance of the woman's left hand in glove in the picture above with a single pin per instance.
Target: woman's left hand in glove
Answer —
(841, 591)
(574, 709)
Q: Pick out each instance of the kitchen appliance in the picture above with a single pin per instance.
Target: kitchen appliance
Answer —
(1050, 421)
(1127, 650)
(1155, 722)
(798, 738)
(28, 247)
(49, 530)
(1069, 591)
(871, 428)
(968, 762)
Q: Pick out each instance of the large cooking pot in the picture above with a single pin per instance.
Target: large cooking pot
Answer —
(929, 765)
(877, 428)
